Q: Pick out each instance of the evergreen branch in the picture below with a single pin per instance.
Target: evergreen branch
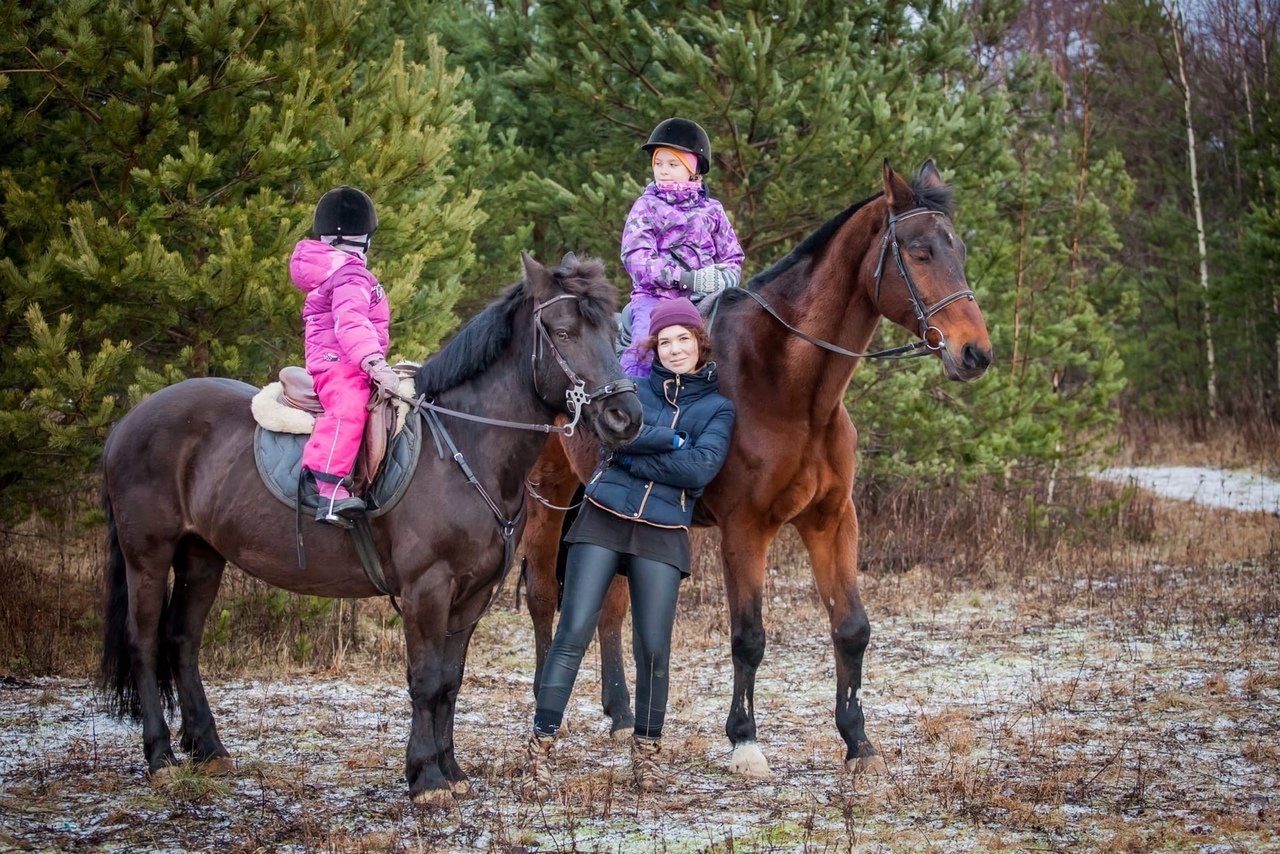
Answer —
(90, 111)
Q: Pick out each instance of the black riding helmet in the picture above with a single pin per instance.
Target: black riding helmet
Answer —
(683, 135)
(343, 211)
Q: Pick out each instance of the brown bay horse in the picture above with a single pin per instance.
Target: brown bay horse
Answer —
(792, 459)
(181, 491)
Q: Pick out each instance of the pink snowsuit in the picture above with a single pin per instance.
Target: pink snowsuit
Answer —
(346, 319)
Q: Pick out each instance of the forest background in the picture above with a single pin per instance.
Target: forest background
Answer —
(1115, 164)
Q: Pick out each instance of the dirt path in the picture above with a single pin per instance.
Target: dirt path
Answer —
(1043, 714)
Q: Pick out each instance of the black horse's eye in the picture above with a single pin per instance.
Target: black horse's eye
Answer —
(562, 335)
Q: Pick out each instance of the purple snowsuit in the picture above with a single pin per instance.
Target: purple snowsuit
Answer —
(347, 318)
(668, 231)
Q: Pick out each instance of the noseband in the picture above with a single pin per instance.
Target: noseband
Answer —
(930, 335)
(577, 396)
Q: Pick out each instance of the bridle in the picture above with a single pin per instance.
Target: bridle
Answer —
(931, 337)
(923, 313)
(577, 396)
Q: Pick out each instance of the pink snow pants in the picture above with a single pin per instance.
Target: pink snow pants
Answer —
(343, 390)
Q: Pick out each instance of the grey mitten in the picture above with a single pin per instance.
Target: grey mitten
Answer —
(384, 379)
(709, 280)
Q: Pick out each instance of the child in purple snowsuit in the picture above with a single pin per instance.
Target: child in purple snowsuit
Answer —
(677, 241)
(346, 319)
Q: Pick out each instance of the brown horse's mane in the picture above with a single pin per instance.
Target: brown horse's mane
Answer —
(936, 197)
(487, 335)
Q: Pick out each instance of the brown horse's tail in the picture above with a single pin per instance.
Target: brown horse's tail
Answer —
(117, 659)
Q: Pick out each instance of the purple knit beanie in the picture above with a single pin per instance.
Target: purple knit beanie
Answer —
(674, 312)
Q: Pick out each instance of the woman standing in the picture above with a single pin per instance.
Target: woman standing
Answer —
(635, 520)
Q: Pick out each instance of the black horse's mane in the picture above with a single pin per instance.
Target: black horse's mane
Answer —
(936, 197)
(487, 335)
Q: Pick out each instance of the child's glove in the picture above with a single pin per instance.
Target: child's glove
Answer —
(709, 280)
(384, 379)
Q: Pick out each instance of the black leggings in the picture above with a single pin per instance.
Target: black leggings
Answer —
(589, 570)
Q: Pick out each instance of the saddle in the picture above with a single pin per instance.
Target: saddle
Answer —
(291, 406)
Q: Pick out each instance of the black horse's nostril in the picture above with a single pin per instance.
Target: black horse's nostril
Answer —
(975, 358)
(615, 419)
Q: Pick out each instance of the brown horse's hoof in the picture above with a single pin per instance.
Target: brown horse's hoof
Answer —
(435, 798)
(162, 776)
(873, 764)
(749, 761)
(461, 788)
(217, 766)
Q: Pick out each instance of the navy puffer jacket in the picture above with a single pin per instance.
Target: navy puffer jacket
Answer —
(680, 449)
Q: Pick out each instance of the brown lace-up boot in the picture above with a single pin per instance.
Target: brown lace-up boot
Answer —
(646, 754)
(539, 777)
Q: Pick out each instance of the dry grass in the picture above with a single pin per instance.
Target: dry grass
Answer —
(1099, 673)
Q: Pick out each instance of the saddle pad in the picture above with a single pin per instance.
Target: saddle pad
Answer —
(279, 460)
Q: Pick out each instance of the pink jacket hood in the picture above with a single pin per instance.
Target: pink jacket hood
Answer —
(313, 262)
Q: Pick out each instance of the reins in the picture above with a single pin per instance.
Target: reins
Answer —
(913, 350)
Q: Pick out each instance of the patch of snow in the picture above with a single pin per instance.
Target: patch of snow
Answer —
(1235, 490)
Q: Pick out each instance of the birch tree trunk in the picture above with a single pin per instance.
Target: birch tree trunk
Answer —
(1175, 21)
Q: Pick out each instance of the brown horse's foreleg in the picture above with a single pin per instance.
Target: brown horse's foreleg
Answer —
(743, 549)
(196, 577)
(425, 603)
(832, 541)
(541, 542)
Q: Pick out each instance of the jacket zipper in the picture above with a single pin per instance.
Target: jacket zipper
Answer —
(674, 418)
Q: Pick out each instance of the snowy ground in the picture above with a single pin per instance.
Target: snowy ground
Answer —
(1134, 710)
(1235, 490)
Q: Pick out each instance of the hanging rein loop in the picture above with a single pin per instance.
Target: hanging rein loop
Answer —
(931, 337)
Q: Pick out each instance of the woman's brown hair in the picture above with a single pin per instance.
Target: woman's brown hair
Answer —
(650, 345)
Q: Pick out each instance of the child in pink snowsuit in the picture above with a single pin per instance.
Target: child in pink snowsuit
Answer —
(346, 320)
(677, 241)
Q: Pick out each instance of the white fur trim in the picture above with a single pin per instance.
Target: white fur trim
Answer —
(270, 410)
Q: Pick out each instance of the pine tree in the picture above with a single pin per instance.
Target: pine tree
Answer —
(803, 101)
(161, 158)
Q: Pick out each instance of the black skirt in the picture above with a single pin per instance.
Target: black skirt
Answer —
(599, 527)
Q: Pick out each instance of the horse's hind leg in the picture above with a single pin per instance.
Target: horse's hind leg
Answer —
(147, 571)
(197, 575)
(743, 547)
(613, 677)
(832, 541)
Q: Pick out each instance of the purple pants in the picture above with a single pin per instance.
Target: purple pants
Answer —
(343, 390)
(635, 363)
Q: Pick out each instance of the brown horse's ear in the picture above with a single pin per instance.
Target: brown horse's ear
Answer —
(536, 277)
(929, 176)
(896, 191)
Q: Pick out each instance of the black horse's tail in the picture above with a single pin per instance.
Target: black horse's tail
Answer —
(117, 660)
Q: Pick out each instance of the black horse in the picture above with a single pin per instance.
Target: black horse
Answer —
(181, 490)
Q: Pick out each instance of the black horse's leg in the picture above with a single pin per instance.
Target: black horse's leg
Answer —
(425, 603)
(832, 541)
(614, 696)
(148, 582)
(743, 550)
(454, 666)
(196, 577)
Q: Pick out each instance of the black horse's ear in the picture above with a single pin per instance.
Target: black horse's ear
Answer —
(567, 263)
(930, 177)
(896, 191)
(536, 277)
